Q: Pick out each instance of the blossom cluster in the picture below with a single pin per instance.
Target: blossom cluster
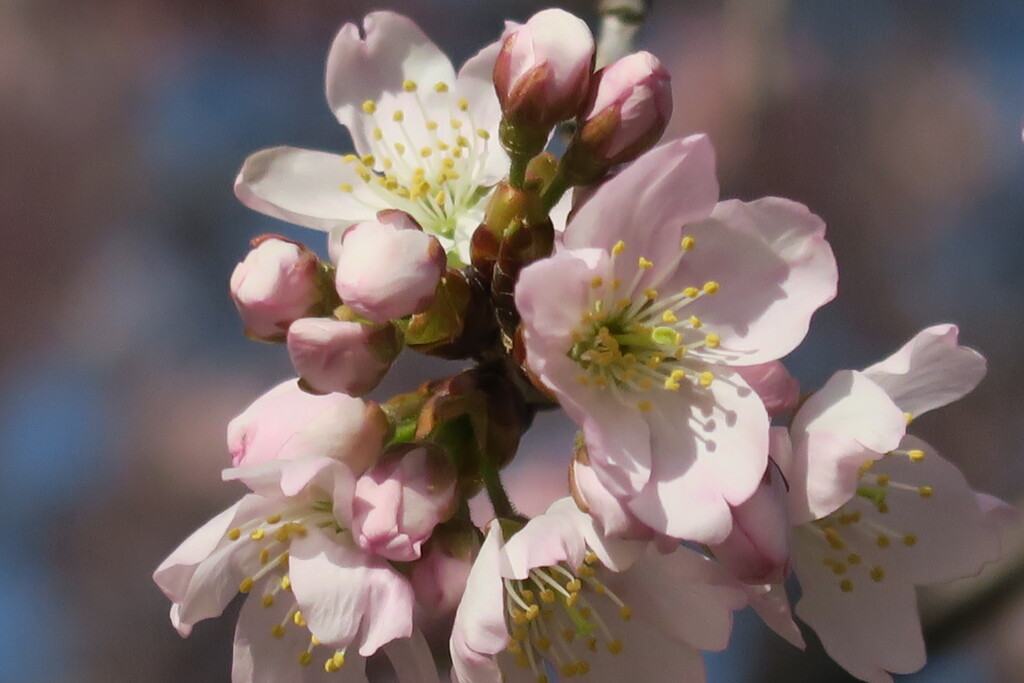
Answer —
(612, 283)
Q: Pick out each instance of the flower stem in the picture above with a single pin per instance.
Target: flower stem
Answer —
(554, 192)
(517, 171)
(495, 491)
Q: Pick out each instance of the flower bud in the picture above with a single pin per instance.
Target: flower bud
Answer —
(400, 500)
(287, 423)
(277, 283)
(543, 70)
(757, 549)
(338, 355)
(777, 389)
(439, 577)
(627, 110)
(388, 268)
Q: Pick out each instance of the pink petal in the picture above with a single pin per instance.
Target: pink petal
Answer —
(348, 597)
(774, 269)
(479, 632)
(772, 605)
(929, 371)
(393, 50)
(476, 86)
(848, 422)
(303, 187)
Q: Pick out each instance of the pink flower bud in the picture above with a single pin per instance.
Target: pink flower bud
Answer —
(777, 389)
(758, 547)
(400, 500)
(287, 423)
(543, 70)
(628, 108)
(347, 357)
(439, 577)
(276, 284)
(389, 268)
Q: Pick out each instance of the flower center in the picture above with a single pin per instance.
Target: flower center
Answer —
(555, 615)
(633, 339)
(857, 528)
(427, 167)
(265, 554)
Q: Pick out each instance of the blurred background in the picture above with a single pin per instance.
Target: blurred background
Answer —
(123, 123)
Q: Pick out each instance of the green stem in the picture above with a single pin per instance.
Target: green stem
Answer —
(554, 192)
(517, 171)
(495, 491)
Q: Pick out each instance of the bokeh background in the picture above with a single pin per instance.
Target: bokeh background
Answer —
(123, 122)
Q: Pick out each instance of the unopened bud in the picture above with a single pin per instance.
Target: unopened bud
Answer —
(439, 577)
(347, 357)
(543, 69)
(627, 110)
(388, 268)
(777, 389)
(276, 284)
(507, 208)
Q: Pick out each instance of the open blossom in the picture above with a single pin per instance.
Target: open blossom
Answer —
(662, 293)
(287, 423)
(909, 519)
(561, 593)
(289, 548)
(425, 139)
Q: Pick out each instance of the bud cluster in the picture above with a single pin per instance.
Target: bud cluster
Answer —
(655, 316)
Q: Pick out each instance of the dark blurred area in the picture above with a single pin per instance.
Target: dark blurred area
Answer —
(123, 123)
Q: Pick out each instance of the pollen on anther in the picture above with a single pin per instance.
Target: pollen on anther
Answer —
(235, 534)
(669, 317)
(398, 116)
(596, 282)
(644, 264)
(651, 294)
(846, 585)
(440, 86)
(615, 646)
(644, 406)
(688, 243)
(370, 107)
(916, 455)
(257, 534)
(305, 658)
(695, 322)
(246, 585)
(268, 600)
(711, 287)
(409, 86)
(619, 247)
(877, 574)
(345, 187)
(909, 417)
(925, 491)
(691, 292)
(463, 104)
(909, 540)
(882, 541)
(706, 378)
(712, 341)
(277, 631)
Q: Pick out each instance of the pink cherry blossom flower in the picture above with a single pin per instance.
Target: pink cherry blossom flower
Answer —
(662, 294)
(543, 70)
(908, 519)
(400, 500)
(425, 139)
(629, 106)
(287, 423)
(342, 356)
(388, 268)
(560, 593)
(276, 284)
(320, 605)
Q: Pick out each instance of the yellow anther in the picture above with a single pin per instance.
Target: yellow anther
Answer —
(363, 173)
(909, 539)
(297, 618)
(712, 341)
(439, 198)
(669, 317)
(306, 658)
(711, 287)
(651, 294)
(542, 643)
(572, 599)
(349, 159)
(625, 612)
(882, 541)
(426, 152)
(403, 192)
(528, 596)
(688, 243)
(616, 283)
(257, 534)
(273, 519)
(368, 160)
(440, 86)
(590, 557)
(644, 263)
(838, 568)
(671, 384)
(541, 678)
(532, 612)
(596, 282)
(909, 417)
(456, 124)
(313, 640)
(695, 322)
(568, 669)
(925, 491)
(877, 574)
(463, 104)
(457, 153)
(370, 107)
(691, 292)
(853, 558)
(400, 148)
(513, 647)
(338, 659)
(409, 86)
(846, 586)
(462, 141)
(330, 667)
(574, 586)
(398, 116)
(644, 406)
(882, 480)
(277, 631)
(235, 534)
(268, 600)
(264, 556)
(483, 134)
(246, 585)
(883, 507)
(592, 644)
(345, 187)
(568, 635)
(706, 378)
(431, 125)
(619, 247)
(582, 668)
(378, 134)
(547, 595)
(916, 455)
(615, 646)
(286, 582)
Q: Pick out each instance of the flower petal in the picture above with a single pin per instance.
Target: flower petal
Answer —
(772, 605)
(774, 269)
(475, 84)
(479, 632)
(303, 187)
(929, 371)
(393, 51)
(347, 596)
(848, 422)
(411, 659)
